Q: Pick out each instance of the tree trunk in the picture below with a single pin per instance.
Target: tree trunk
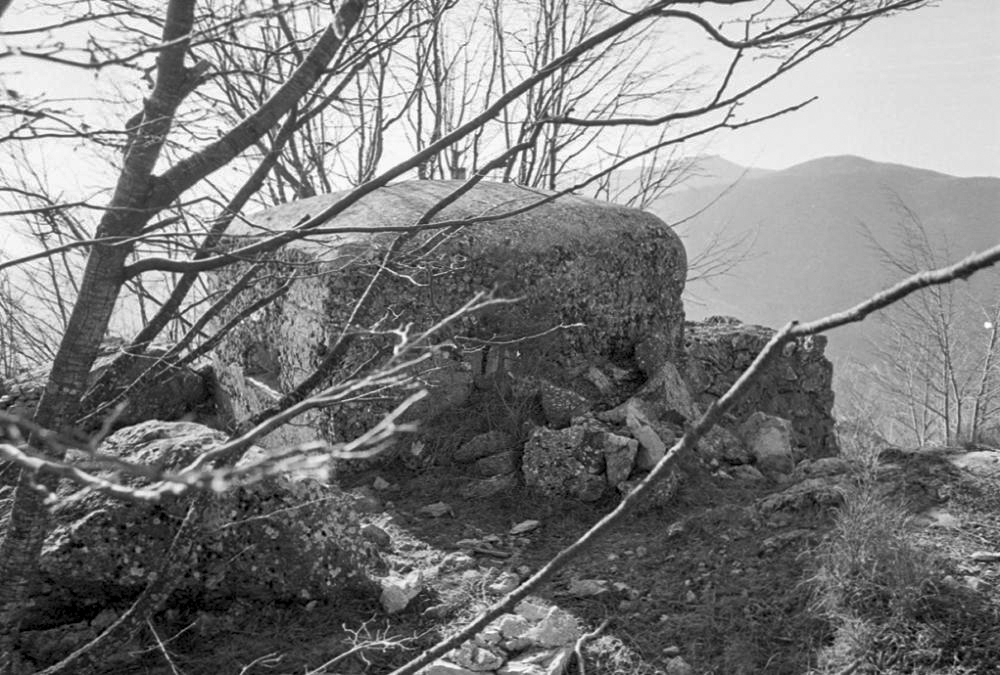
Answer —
(28, 520)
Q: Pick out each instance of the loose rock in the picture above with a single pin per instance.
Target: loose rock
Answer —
(769, 440)
(397, 591)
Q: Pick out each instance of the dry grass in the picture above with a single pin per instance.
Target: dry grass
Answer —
(888, 599)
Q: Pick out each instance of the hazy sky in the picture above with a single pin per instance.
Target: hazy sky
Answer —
(921, 88)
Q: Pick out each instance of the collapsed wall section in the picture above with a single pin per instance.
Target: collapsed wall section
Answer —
(797, 385)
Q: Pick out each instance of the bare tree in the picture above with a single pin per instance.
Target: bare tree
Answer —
(263, 88)
(936, 357)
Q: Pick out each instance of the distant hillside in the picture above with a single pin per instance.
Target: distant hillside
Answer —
(811, 255)
(712, 170)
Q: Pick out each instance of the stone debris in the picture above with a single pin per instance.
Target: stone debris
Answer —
(561, 463)
(651, 447)
(668, 395)
(437, 510)
(586, 588)
(811, 493)
(722, 445)
(661, 494)
(596, 377)
(513, 625)
(769, 440)
(177, 393)
(938, 517)
(531, 609)
(456, 560)
(558, 627)
(476, 658)
(484, 546)
(619, 457)
(398, 590)
(677, 666)
(377, 536)
(525, 526)
(536, 639)
(442, 667)
(506, 583)
(561, 405)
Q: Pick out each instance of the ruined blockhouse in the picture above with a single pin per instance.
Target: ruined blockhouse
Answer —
(608, 275)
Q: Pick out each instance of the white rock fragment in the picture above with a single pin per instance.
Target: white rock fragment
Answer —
(558, 628)
(678, 666)
(442, 667)
(525, 526)
(531, 609)
(475, 658)
(507, 582)
(585, 588)
(397, 590)
(513, 625)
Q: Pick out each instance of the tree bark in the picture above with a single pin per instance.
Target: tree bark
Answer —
(99, 289)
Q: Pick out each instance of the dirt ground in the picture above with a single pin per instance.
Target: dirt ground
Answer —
(710, 578)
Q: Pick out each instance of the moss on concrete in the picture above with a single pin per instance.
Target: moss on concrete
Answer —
(617, 271)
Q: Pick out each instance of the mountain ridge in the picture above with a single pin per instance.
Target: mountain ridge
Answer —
(813, 225)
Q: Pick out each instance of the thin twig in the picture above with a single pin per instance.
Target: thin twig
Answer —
(584, 639)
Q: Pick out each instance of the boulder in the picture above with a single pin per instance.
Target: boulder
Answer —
(619, 457)
(398, 590)
(172, 395)
(565, 463)
(651, 446)
(769, 440)
(593, 279)
(668, 396)
(282, 539)
(561, 405)
(723, 446)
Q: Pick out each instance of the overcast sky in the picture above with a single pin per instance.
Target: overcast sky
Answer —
(922, 88)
